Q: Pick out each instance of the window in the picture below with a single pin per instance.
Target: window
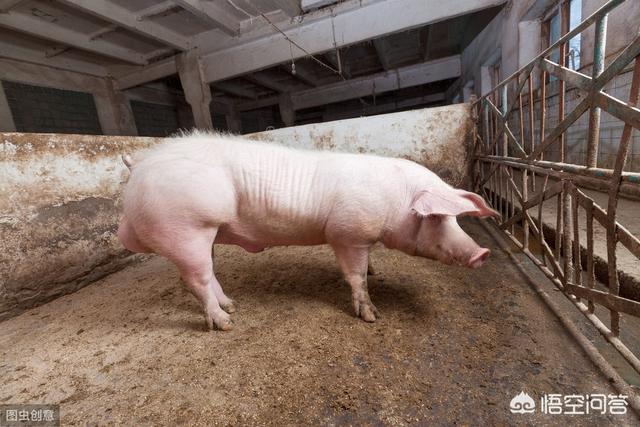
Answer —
(575, 17)
(555, 27)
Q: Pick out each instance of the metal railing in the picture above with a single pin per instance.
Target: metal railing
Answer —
(510, 172)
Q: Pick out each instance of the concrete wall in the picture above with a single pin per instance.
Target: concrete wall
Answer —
(60, 194)
(437, 138)
(49, 110)
(59, 207)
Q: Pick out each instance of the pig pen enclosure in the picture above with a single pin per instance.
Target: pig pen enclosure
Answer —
(114, 338)
(452, 345)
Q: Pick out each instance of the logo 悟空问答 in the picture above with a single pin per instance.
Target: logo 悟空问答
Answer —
(522, 404)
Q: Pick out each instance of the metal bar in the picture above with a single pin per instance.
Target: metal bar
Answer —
(558, 230)
(594, 114)
(604, 174)
(503, 106)
(543, 112)
(531, 125)
(596, 183)
(564, 29)
(541, 236)
(577, 261)
(567, 228)
(591, 275)
(521, 116)
(525, 196)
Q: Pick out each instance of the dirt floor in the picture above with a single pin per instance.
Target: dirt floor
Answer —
(453, 346)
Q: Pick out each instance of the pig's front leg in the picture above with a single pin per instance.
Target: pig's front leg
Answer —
(353, 262)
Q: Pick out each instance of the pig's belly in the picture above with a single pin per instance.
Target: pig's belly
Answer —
(255, 237)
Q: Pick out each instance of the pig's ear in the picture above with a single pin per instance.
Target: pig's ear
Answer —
(450, 201)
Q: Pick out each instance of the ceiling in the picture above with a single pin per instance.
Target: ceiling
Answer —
(118, 37)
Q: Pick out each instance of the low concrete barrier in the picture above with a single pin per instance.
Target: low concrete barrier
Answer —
(59, 208)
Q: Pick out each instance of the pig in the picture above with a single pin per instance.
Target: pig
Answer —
(201, 189)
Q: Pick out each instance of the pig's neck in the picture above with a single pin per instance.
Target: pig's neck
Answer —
(402, 232)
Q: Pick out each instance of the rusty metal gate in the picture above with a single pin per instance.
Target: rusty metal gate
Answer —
(513, 136)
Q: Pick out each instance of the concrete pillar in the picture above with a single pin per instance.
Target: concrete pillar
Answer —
(529, 44)
(114, 111)
(467, 91)
(196, 91)
(6, 119)
(234, 124)
(287, 113)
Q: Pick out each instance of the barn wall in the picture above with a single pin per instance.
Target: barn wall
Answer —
(59, 207)
(49, 110)
(60, 194)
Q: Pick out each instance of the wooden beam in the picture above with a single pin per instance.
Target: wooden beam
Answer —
(102, 31)
(19, 53)
(426, 40)
(410, 76)
(213, 13)
(302, 74)
(381, 49)
(111, 12)
(43, 74)
(384, 108)
(266, 82)
(373, 18)
(235, 89)
(315, 4)
(235, 56)
(156, 9)
(156, 71)
(291, 8)
(7, 5)
(40, 28)
(55, 51)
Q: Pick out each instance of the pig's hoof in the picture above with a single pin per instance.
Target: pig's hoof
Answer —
(367, 311)
(224, 324)
(229, 307)
(221, 321)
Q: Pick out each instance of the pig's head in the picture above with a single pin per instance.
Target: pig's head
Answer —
(430, 229)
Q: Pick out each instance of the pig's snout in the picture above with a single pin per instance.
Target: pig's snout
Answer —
(478, 258)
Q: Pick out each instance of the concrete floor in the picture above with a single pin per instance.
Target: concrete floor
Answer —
(453, 346)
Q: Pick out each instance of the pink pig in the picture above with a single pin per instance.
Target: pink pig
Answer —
(191, 192)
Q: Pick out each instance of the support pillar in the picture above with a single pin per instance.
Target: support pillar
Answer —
(196, 91)
(287, 113)
(114, 111)
(6, 118)
(234, 124)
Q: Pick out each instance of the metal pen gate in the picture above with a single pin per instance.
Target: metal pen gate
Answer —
(511, 139)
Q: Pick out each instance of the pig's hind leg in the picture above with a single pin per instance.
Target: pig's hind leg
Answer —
(226, 303)
(192, 255)
(353, 262)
